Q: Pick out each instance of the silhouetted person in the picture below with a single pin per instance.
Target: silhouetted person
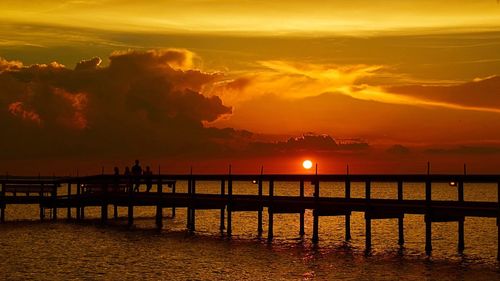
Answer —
(116, 179)
(149, 180)
(136, 173)
(128, 175)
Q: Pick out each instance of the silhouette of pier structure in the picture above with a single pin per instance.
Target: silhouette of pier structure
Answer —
(56, 194)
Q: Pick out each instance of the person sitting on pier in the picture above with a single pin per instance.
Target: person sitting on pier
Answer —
(137, 173)
(147, 175)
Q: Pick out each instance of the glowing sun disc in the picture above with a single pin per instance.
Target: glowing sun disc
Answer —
(307, 164)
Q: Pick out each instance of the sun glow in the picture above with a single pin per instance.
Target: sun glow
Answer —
(307, 164)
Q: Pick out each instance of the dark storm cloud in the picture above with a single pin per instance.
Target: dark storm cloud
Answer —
(142, 103)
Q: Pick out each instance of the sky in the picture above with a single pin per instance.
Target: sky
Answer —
(382, 86)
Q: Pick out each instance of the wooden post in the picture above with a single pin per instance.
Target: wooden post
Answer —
(173, 207)
(42, 210)
(104, 203)
(115, 211)
(78, 192)
(428, 218)
(223, 209)
(401, 233)
(368, 220)
(159, 209)
(259, 212)
(498, 221)
(301, 194)
(193, 209)
(69, 199)
(2, 203)
(461, 237)
(130, 211)
(54, 198)
(348, 216)
(229, 204)
(270, 233)
(188, 221)
(315, 237)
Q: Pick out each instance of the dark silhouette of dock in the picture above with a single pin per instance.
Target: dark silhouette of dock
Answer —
(105, 190)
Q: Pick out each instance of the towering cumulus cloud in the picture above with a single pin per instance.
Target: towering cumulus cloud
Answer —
(144, 102)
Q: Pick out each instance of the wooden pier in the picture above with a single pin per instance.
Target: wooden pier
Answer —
(106, 190)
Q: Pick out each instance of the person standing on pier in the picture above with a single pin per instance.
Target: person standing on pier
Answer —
(127, 175)
(116, 179)
(137, 173)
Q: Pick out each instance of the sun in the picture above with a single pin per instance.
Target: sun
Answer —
(307, 164)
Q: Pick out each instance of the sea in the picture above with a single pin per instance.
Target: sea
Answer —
(70, 250)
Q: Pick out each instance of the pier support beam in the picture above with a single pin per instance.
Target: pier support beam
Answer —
(78, 208)
(401, 233)
(115, 211)
(260, 230)
(368, 220)
(428, 220)
(229, 206)
(173, 205)
(428, 236)
(498, 221)
(461, 236)
(104, 205)
(68, 212)
(159, 209)
(270, 229)
(42, 213)
(348, 216)
(130, 221)
(222, 210)
(315, 237)
(301, 194)
(192, 220)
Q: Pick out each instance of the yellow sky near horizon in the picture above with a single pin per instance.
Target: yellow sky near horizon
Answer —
(353, 17)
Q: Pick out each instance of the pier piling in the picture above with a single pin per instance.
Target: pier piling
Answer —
(401, 234)
(428, 218)
(259, 212)
(222, 210)
(229, 230)
(461, 237)
(104, 204)
(368, 220)
(68, 212)
(315, 237)
(301, 194)
(348, 216)
(159, 209)
(270, 211)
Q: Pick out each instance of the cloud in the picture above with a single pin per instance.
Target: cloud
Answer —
(398, 149)
(144, 102)
(479, 94)
(292, 80)
(466, 149)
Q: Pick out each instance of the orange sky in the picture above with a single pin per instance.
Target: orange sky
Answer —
(218, 81)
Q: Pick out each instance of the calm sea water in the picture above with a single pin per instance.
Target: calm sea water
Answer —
(30, 250)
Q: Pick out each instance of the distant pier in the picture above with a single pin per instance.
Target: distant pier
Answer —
(118, 191)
